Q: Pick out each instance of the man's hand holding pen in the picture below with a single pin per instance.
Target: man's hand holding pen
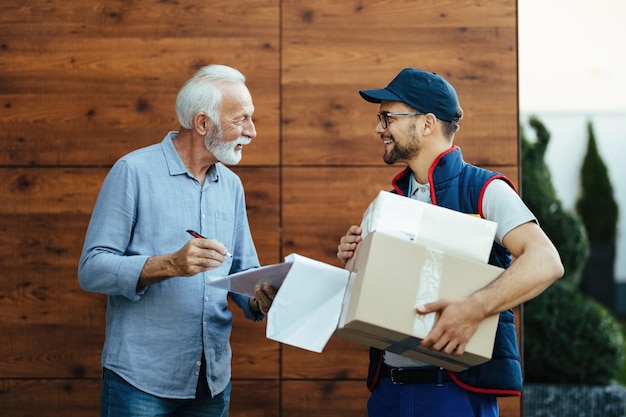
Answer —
(263, 294)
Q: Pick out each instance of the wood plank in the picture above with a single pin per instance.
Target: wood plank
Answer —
(70, 193)
(53, 243)
(258, 398)
(262, 188)
(327, 398)
(81, 398)
(320, 204)
(50, 397)
(342, 125)
(53, 350)
(321, 84)
(185, 19)
(98, 54)
(341, 359)
(56, 191)
(254, 356)
(113, 124)
(450, 14)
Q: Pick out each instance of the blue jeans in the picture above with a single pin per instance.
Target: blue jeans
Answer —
(428, 400)
(121, 399)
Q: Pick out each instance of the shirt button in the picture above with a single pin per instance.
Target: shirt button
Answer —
(203, 216)
(198, 363)
(206, 298)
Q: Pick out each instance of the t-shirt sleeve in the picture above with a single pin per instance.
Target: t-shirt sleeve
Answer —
(504, 206)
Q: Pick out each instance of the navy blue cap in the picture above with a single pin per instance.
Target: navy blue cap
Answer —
(425, 91)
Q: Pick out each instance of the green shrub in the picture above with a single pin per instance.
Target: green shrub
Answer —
(570, 339)
(563, 227)
(596, 204)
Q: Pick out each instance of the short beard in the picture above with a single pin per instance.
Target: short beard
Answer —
(222, 151)
(405, 153)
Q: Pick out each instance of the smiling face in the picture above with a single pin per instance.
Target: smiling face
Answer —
(236, 129)
(400, 137)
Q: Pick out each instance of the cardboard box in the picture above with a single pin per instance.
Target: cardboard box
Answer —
(390, 277)
(432, 226)
(412, 253)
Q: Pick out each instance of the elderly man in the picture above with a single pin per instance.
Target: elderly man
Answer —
(167, 349)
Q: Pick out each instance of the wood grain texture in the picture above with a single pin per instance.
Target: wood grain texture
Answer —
(44, 222)
(256, 398)
(50, 397)
(474, 51)
(328, 398)
(81, 398)
(83, 83)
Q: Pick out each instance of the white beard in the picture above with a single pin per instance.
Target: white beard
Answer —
(225, 152)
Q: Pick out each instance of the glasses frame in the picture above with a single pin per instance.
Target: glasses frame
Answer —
(383, 117)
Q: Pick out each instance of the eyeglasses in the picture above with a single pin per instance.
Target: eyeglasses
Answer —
(383, 117)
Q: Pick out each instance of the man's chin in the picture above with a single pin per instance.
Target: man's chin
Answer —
(389, 159)
(232, 159)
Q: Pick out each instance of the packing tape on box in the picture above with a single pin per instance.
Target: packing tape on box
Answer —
(428, 289)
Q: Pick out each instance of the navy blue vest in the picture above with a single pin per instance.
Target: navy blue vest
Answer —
(457, 185)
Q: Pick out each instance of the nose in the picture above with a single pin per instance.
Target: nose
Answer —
(250, 129)
(379, 128)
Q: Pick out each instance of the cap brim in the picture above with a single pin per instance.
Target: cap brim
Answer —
(376, 96)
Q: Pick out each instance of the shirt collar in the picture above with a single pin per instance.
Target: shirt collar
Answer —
(175, 164)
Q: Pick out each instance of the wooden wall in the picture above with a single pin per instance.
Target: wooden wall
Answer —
(82, 83)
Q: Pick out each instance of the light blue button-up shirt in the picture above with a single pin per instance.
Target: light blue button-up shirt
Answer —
(155, 337)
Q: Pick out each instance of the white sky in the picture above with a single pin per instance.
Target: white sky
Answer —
(572, 55)
(572, 70)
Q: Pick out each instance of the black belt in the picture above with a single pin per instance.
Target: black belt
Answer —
(416, 375)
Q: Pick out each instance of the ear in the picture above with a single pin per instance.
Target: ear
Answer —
(201, 123)
(430, 122)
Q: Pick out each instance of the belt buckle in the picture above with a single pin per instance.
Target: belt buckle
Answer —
(392, 378)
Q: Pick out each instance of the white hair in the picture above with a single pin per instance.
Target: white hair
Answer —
(202, 93)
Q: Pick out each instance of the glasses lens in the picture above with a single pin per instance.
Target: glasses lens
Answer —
(382, 118)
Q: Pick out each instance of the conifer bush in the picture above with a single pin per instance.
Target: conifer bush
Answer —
(598, 209)
(568, 337)
(564, 227)
(596, 205)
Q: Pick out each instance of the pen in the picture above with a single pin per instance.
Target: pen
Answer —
(199, 236)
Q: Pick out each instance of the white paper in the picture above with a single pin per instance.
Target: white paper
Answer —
(429, 225)
(244, 282)
(306, 310)
(394, 215)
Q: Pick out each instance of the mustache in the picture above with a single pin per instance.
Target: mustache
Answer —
(244, 140)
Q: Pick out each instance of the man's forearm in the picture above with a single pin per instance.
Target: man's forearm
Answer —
(156, 269)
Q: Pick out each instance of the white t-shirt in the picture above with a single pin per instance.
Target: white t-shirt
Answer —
(502, 205)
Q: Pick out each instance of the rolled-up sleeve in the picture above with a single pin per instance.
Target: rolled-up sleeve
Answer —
(105, 267)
